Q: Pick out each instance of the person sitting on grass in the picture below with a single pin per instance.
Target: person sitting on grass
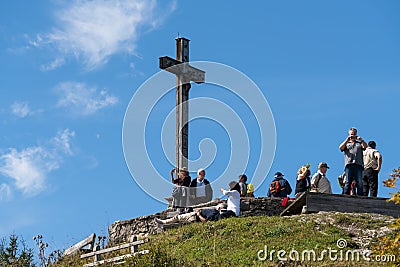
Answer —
(233, 194)
(200, 215)
(212, 213)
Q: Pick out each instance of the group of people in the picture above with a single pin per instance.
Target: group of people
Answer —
(280, 187)
(188, 192)
(231, 209)
(362, 165)
(360, 177)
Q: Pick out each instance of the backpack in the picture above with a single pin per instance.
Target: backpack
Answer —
(314, 187)
(275, 188)
(250, 190)
(342, 180)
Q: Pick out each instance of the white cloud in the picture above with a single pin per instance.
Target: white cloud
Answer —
(5, 192)
(62, 141)
(93, 31)
(22, 109)
(53, 65)
(83, 100)
(29, 168)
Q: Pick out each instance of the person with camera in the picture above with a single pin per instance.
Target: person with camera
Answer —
(353, 147)
(180, 192)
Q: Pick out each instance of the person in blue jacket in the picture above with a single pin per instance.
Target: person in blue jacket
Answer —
(279, 187)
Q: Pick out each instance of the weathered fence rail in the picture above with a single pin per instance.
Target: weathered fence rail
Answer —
(97, 254)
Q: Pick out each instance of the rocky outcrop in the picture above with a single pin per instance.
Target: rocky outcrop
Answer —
(265, 206)
(362, 227)
(122, 231)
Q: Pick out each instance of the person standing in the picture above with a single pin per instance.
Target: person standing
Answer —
(353, 148)
(243, 185)
(319, 181)
(372, 166)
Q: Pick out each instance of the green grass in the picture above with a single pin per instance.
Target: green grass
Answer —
(364, 220)
(237, 241)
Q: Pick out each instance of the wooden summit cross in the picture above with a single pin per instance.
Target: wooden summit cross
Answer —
(184, 75)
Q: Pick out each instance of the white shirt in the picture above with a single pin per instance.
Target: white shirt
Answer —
(200, 189)
(233, 201)
(323, 186)
(371, 158)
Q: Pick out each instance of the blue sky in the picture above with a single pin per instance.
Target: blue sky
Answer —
(69, 69)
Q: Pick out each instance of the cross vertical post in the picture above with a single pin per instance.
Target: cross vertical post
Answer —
(184, 75)
(182, 107)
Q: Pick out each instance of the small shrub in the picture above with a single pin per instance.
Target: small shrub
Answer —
(12, 254)
(390, 244)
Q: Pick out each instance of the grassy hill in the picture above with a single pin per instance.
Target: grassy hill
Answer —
(243, 242)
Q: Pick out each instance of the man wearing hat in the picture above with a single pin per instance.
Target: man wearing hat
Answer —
(319, 182)
(279, 187)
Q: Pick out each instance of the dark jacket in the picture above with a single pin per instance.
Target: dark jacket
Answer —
(285, 188)
(209, 191)
(183, 182)
(303, 185)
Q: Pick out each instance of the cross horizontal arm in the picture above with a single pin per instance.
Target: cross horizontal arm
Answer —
(182, 69)
(166, 62)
